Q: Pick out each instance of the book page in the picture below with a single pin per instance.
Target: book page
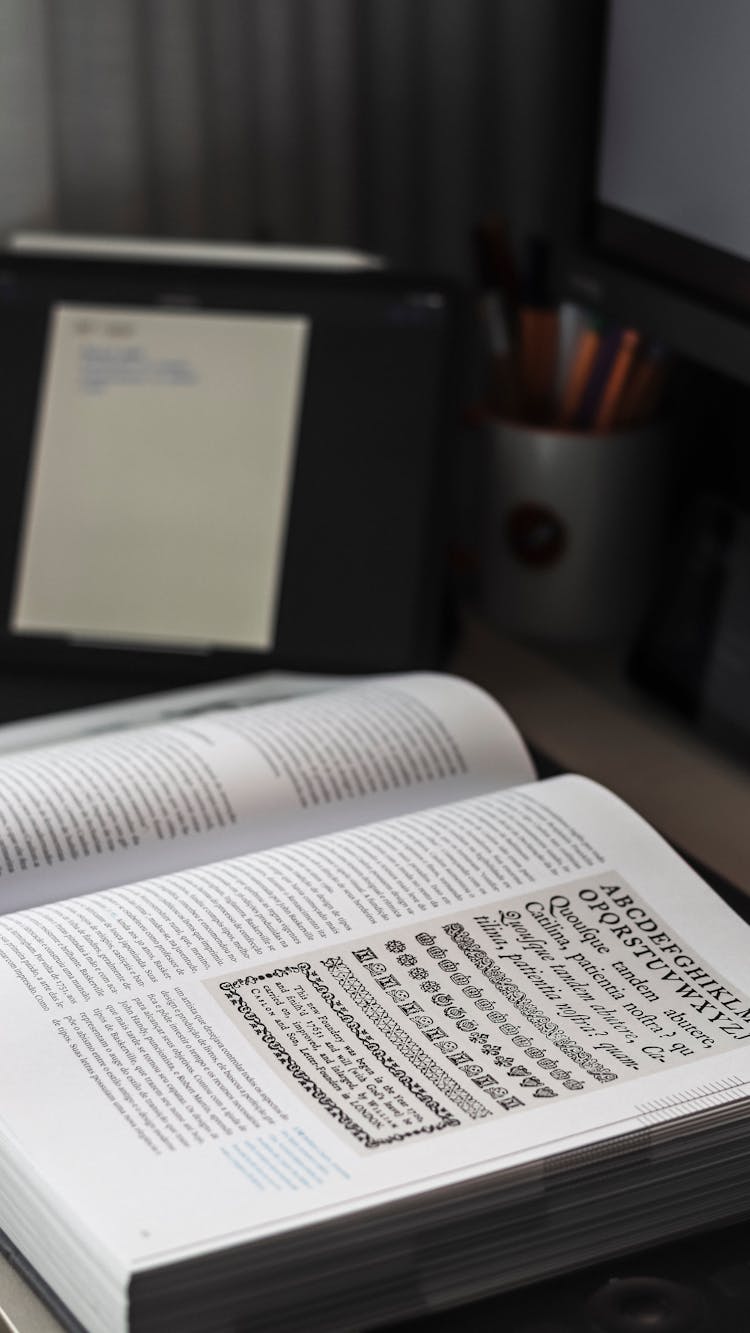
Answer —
(73, 724)
(286, 1037)
(113, 808)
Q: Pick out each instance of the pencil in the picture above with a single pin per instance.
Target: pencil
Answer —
(581, 367)
(609, 346)
(496, 266)
(609, 403)
(537, 359)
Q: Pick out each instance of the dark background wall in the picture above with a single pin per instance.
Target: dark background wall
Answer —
(390, 124)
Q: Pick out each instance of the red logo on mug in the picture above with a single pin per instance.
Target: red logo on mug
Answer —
(536, 535)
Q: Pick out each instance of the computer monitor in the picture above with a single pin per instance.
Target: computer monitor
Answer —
(666, 240)
(665, 246)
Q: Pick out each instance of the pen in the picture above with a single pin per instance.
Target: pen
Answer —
(503, 396)
(537, 334)
(498, 307)
(537, 357)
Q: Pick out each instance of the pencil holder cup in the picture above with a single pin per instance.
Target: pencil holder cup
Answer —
(571, 528)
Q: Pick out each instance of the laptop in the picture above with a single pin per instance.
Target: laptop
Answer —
(215, 467)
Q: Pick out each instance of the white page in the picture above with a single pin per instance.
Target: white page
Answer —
(113, 808)
(165, 706)
(548, 874)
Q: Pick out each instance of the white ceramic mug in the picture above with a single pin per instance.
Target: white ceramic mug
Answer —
(571, 528)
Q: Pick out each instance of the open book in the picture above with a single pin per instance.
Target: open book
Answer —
(325, 1012)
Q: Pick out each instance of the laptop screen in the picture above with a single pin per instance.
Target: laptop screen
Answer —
(213, 462)
(161, 471)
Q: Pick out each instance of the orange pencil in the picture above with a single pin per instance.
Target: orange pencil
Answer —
(583, 364)
(607, 411)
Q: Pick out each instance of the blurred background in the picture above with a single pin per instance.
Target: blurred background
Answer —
(385, 124)
(598, 468)
(400, 127)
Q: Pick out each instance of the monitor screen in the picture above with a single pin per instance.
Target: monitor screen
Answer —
(664, 236)
(672, 182)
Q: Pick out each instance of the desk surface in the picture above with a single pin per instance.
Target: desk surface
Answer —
(574, 709)
(577, 708)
